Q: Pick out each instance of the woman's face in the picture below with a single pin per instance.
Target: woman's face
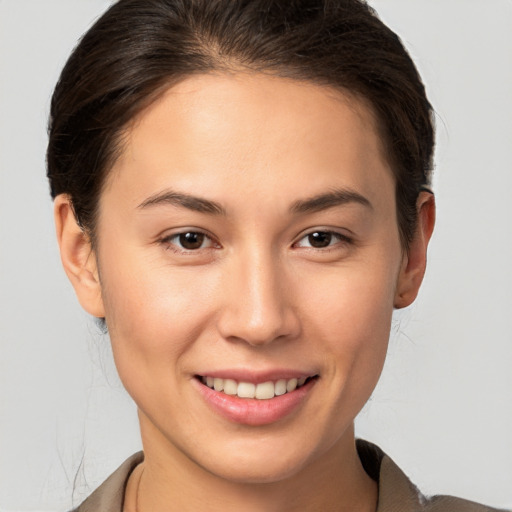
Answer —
(248, 233)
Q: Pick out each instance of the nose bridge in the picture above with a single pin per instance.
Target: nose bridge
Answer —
(257, 306)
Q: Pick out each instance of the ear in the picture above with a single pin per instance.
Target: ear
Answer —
(415, 260)
(78, 258)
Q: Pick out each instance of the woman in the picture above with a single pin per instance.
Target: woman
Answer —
(242, 195)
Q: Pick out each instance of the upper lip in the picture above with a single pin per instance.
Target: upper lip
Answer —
(255, 376)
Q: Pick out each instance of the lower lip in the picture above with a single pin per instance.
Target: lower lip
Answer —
(251, 411)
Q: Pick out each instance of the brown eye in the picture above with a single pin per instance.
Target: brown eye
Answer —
(188, 241)
(191, 240)
(320, 239)
(323, 240)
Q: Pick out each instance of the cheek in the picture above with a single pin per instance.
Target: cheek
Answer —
(349, 315)
(355, 299)
(153, 314)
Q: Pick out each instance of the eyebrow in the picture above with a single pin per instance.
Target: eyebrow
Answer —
(328, 200)
(313, 204)
(188, 201)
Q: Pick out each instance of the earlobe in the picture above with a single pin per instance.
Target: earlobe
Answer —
(415, 261)
(78, 257)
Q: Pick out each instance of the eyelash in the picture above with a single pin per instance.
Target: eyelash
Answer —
(173, 246)
(334, 235)
(338, 238)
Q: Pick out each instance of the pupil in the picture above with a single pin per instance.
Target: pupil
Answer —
(191, 240)
(320, 239)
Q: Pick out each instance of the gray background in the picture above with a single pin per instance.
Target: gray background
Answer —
(443, 409)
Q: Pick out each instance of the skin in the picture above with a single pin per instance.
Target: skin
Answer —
(256, 295)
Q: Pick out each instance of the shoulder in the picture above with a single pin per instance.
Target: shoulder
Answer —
(398, 494)
(453, 504)
(108, 497)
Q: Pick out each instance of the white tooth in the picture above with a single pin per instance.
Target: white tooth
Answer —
(246, 390)
(280, 387)
(291, 385)
(265, 390)
(230, 387)
(209, 382)
(218, 384)
(301, 381)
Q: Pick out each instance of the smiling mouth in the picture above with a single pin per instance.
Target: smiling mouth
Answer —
(261, 391)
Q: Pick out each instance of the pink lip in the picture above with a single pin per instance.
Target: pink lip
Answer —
(251, 411)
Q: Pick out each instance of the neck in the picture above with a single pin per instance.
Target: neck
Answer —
(334, 481)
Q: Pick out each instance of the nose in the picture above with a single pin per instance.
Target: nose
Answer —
(257, 305)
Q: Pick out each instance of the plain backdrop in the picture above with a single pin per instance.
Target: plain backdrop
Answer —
(443, 409)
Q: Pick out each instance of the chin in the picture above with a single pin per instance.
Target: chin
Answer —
(256, 470)
(262, 459)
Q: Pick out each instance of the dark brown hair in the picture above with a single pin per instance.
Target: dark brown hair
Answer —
(140, 47)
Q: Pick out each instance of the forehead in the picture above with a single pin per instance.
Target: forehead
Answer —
(255, 130)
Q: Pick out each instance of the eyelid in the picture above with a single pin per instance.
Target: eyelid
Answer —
(165, 239)
(342, 237)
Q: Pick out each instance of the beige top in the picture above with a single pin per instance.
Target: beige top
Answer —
(396, 492)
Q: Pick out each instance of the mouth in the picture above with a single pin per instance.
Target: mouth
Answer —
(261, 391)
(261, 402)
